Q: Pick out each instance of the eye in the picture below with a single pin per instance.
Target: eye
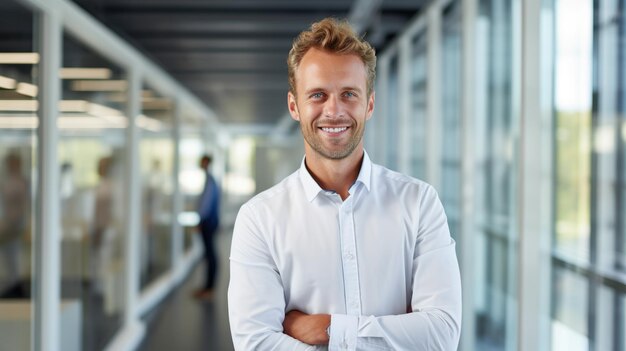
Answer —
(349, 94)
(317, 95)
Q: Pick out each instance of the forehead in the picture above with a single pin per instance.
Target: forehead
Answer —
(319, 66)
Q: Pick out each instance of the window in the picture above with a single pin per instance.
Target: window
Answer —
(92, 157)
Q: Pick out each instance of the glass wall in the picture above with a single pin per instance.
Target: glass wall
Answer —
(589, 232)
(18, 158)
(156, 155)
(191, 177)
(91, 152)
(91, 142)
(417, 127)
(450, 191)
(495, 192)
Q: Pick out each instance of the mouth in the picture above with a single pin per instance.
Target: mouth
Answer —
(333, 130)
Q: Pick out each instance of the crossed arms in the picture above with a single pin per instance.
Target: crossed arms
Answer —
(260, 320)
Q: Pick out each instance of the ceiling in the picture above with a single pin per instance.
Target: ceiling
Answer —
(232, 53)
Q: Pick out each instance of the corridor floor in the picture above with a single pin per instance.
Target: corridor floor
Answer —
(184, 323)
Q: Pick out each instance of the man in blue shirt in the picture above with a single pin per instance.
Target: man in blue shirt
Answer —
(208, 211)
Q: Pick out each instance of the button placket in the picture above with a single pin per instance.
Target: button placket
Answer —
(350, 264)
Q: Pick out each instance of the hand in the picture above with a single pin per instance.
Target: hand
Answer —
(308, 328)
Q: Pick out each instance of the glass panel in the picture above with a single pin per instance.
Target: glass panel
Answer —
(496, 157)
(392, 114)
(573, 57)
(589, 148)
(417, 133)
(93, 206)
(191, 177)
(570, 308)
(450, 190)
(156, 155)
(18, 123)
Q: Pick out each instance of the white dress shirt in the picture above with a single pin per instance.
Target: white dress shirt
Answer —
(381, 263)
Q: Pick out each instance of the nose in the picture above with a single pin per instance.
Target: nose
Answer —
(333, 107)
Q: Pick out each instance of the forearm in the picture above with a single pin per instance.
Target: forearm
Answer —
(269, 340)
(256, 314)
(432, 329)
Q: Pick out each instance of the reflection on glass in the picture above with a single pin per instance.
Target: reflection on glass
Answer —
(91, 159)
(18, 105)
(495, 247)
(450, 191)
(156, 153)
(417, 129)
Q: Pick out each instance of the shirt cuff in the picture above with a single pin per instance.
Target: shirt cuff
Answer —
(343, 330)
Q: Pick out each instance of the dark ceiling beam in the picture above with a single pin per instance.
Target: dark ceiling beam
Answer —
(212, 22)
(209, 43)
(226, 5)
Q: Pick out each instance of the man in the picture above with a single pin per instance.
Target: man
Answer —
(208, 210)
(342, 254)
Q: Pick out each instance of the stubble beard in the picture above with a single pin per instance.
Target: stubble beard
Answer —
(316, 143)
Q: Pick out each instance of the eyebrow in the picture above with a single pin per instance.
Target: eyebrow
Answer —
(318, 89)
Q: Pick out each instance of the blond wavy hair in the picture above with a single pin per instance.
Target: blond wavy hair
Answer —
(335, 36)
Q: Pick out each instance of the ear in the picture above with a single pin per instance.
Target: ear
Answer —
(293, 106)
(370, 106)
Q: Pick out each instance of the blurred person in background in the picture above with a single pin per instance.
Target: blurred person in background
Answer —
(13, 224)
(208, 211)
(102, 226)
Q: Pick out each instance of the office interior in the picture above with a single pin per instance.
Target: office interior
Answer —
(514, 110)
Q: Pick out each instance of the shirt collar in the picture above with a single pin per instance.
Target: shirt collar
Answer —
(311, 188)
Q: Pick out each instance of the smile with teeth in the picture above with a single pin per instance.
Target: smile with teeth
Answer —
(334, 130)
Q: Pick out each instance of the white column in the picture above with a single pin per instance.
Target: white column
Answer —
(404, 92)
(433, 97)
(47, 230)
(380, 114)
(133, 193)
(177, 205)
(468, 169)
(534, 182)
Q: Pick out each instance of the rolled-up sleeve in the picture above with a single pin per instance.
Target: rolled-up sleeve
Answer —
(256, 302)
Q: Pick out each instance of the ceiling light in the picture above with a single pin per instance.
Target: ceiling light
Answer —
(19, 122)
(19, 105)
(73, 106)
(85, 73)
(101, 110)
(148, 123)
(27, 89)
(88, 122)
(7, 83)
(156, 104)
(99, 85)
(19, 58)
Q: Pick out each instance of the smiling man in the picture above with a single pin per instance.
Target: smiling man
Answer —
(343, 254)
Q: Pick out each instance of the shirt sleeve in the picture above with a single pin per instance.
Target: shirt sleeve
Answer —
(256, 300)
(434, 318)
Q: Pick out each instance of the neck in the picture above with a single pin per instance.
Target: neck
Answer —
(335, 175)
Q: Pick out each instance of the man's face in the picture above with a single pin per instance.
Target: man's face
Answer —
(332, 103)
